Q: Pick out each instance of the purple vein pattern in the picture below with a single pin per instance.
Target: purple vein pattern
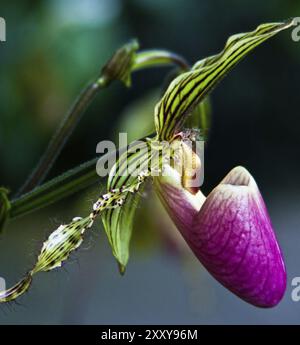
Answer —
(232, 236)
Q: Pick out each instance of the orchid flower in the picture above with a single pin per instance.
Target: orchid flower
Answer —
(229, 231)
(231, 234)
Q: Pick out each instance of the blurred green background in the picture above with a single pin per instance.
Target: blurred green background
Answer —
(53, 49)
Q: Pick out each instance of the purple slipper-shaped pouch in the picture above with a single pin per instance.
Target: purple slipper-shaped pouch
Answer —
(231, 234)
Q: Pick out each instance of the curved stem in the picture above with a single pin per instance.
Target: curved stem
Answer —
(62, 134)
(142, 60)
(56, 189)
(150, 58)
(62, 186)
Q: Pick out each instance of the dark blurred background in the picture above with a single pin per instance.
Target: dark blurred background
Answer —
(53, 49)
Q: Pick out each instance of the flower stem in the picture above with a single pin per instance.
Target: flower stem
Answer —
(61, 135)
(151, 58)
(56, 189)
(62, 186)
(142, 60)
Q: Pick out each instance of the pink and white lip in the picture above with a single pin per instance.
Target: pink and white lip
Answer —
(230, 232)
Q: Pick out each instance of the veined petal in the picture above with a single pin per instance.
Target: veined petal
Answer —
(55, 251)
(190, 88)
(118, 221)
(232, 236)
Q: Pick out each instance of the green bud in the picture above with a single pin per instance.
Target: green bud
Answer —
(120, 66)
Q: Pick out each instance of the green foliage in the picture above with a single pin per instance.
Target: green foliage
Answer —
(118, 222)
(190, 88)
(117, 207)
(120, 66)
(4, 207)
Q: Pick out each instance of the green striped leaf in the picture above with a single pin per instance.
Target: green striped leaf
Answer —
(190, 88)
(118, 221)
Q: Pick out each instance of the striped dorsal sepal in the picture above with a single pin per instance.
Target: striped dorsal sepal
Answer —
(190, 88)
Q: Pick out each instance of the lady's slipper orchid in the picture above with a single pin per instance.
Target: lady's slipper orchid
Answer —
(229, 231)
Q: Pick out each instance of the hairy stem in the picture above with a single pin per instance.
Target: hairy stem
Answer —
(62, 186)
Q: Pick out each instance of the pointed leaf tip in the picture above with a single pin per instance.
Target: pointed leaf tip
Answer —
(190, 88)
(122, 269)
